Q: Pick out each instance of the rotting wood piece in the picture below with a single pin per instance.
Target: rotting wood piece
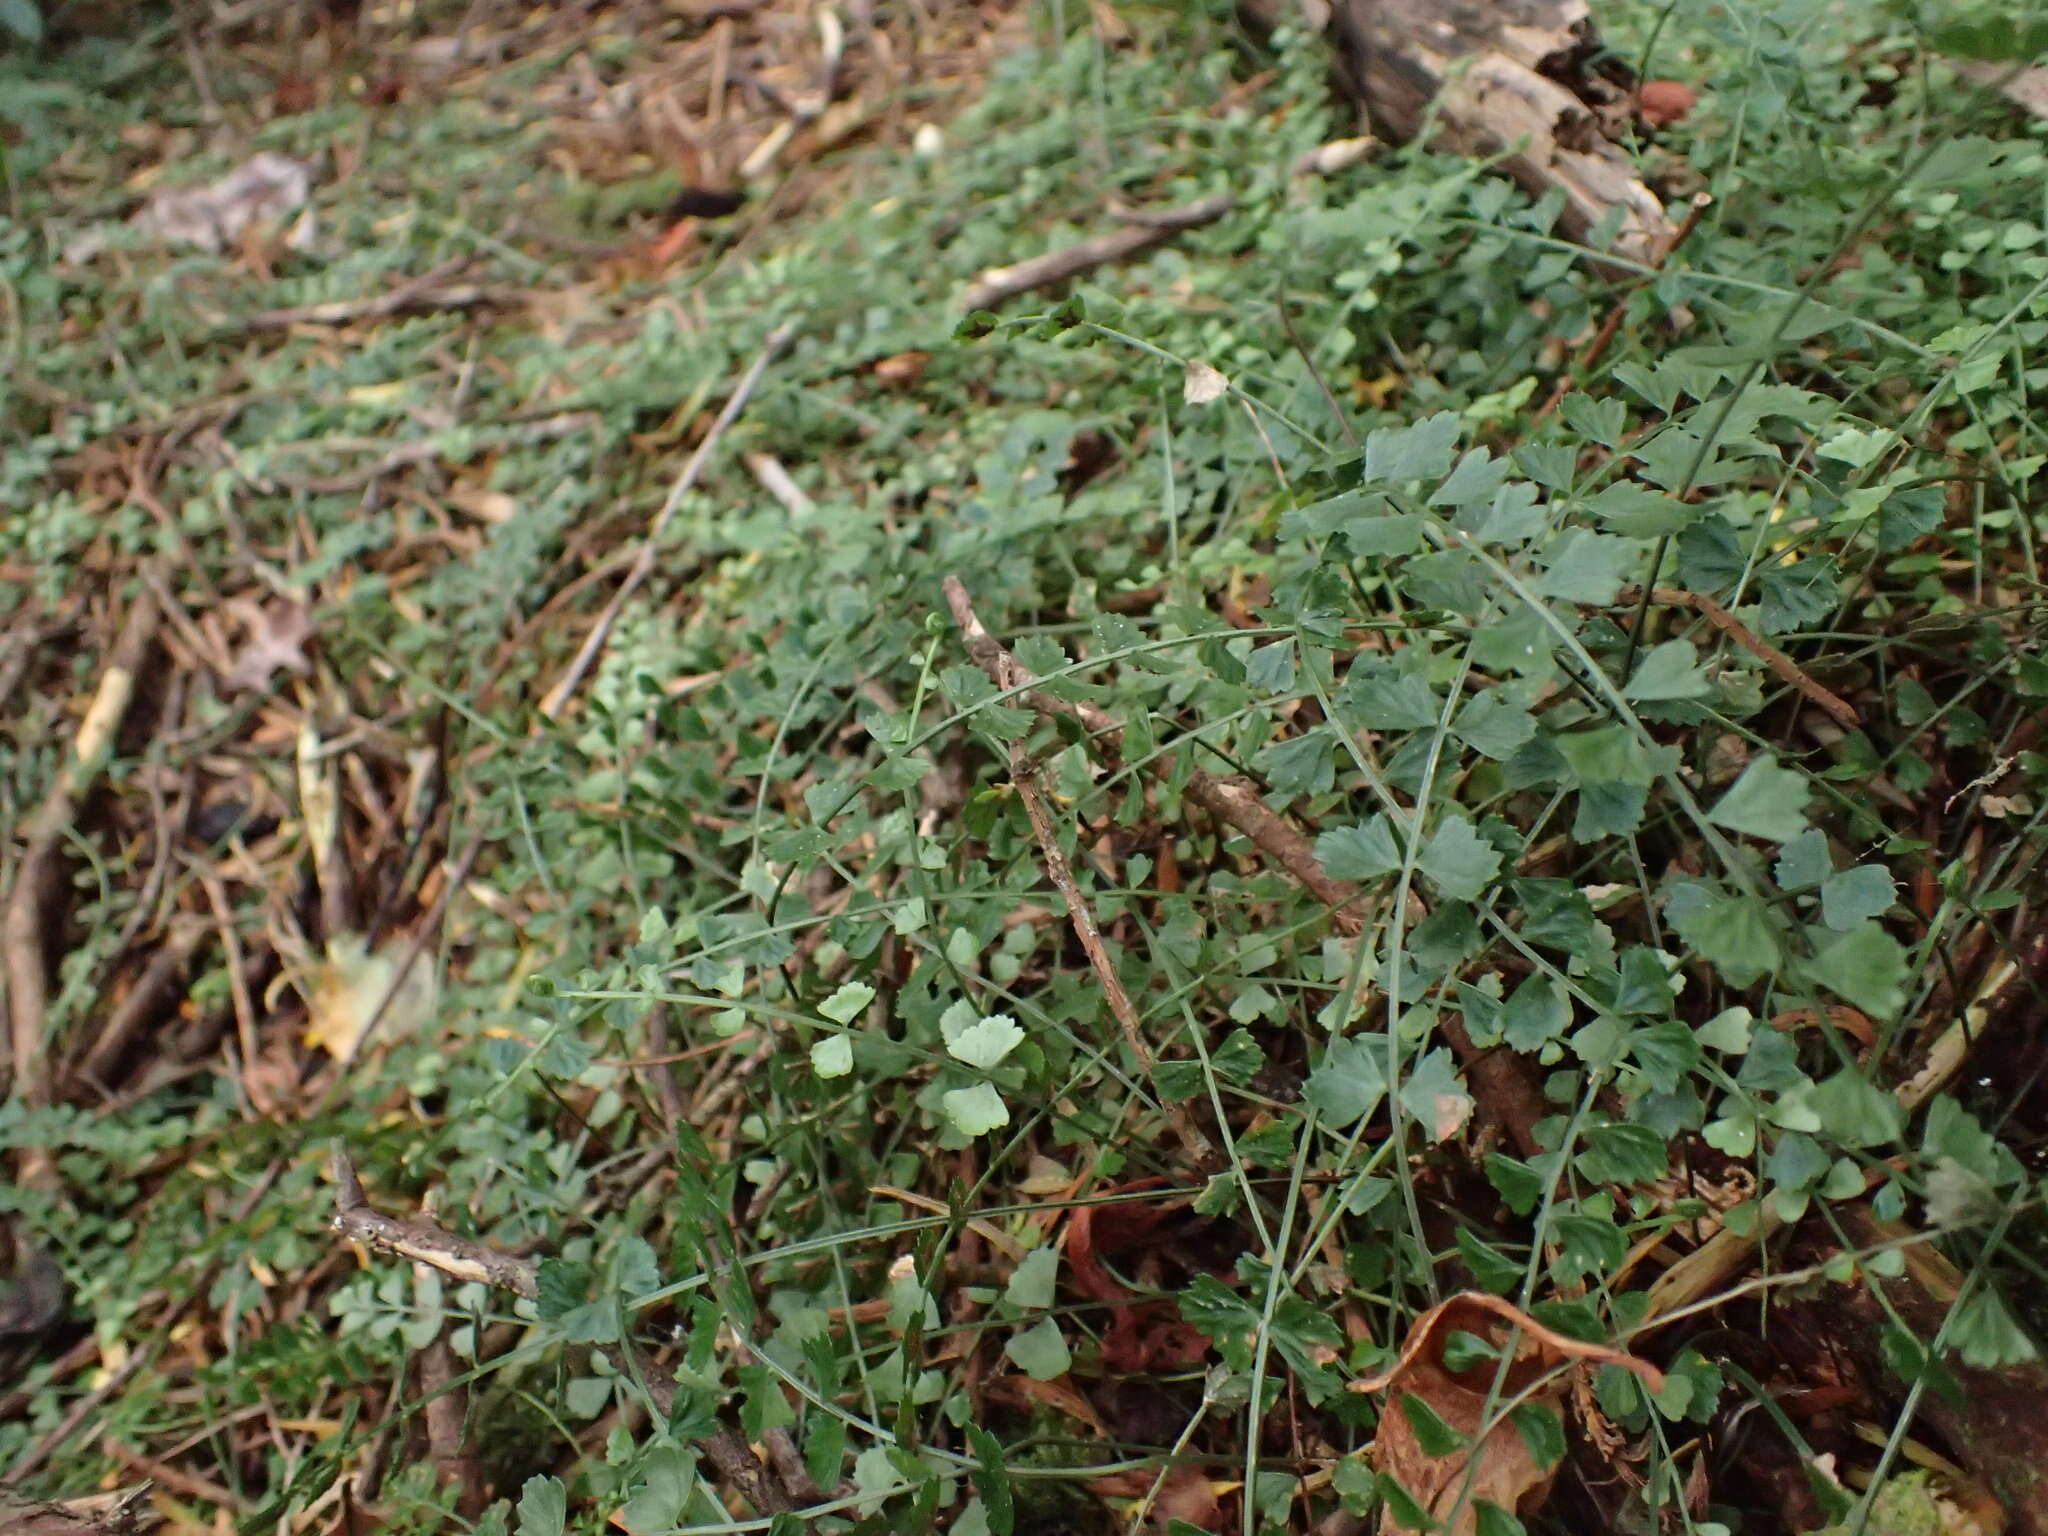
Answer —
(1509, 78)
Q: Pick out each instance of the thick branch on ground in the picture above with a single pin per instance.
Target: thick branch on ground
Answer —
(1495, 75)
(1141, 232)
(423, 1242)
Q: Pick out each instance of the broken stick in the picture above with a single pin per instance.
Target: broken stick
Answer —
(1141, 232)
(424, 1242)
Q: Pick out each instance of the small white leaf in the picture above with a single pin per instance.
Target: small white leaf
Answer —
(1202, 383)
(975, 1111)
(848, 1003)
(832, 1056)
(987, 1042)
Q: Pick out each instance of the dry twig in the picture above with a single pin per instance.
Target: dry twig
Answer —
(416, 298)
(1231, 801)
(1141, 232)
(36, 877)
(1028, 777)
(423, 1242)
(1784, 667)
(643, 563)
(1501, 1081)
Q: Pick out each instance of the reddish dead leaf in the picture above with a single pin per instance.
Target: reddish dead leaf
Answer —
(1142, 1335)
(294, 94)
(1189, 1497)
(1093, 1230)
(1496, 1465)
(1664, 102)
(276, 636)
(1847, 1020)
(1184, 1495)
(673, 244)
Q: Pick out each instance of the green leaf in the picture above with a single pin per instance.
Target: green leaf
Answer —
(1608, 810)
(1434, 1096)
(848, 1003)
(1585, 567)
(1795, 596)
(1637, 512)
(1300, 765)
(1864, 966)
(1382, 698)
(1670, 671)
(1588, 1246)
(1767, 802)
(1555, 914)
(975, 1111)
(1476, 478)
(1520, 1185)
(1361, 851)
(667, 1477)
(1492, 1520)
(1350, 1082)
(1849, 897)
(1619, 1153)
(1494, 726)
(1985, 1335)
(1418, 452)
(543, 1507)
(1432, 1434)
(1854, 1110)
(1458, 860)
(561, 1287)
(24, 18)
(1733, 932)
(1537, 1012)
(1040, 1352)
(1856, 446)
(1542, 1431)
(1603, 420)
(1033, 1281)
(1726, 1031)
(986, 1042)
(1491, 1269)
(1667, 1053)
(832, 1056)
(1644, 984)
(1804, 862)
(1993, 37)
(1238, 1060)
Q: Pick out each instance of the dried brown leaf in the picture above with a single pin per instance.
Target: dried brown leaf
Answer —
(275, 636)
(1494, 1464)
